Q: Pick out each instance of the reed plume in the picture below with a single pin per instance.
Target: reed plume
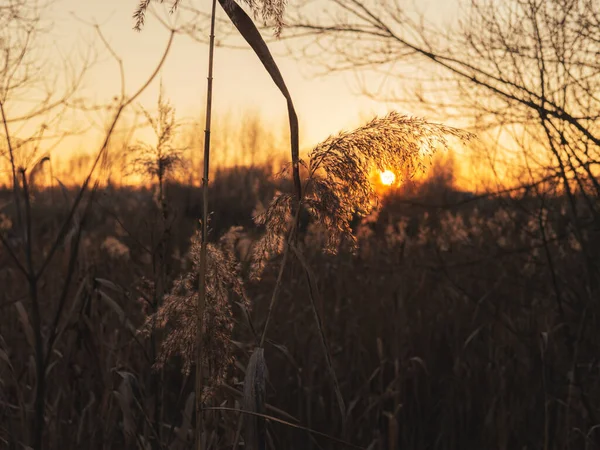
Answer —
(338, 185)
(177, 314)
(269, 10)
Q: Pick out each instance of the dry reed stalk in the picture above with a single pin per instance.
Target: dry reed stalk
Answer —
(201, 301)
(255, 395)
(314, 299)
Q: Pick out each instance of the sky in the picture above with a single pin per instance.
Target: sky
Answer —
(241, 84)
(325, 105)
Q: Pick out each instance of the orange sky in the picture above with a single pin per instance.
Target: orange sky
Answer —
(325, 105)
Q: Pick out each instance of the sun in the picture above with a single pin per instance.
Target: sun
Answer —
(387, 177)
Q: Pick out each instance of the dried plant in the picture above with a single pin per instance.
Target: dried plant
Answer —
(160, 160)
(177, 314)
(276, 219)
(269, 10)
(339, 183)
(337, 188)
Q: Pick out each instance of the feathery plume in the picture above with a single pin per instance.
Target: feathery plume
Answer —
(269, 10)
(339, 186)
(339, 181)
(177, 314)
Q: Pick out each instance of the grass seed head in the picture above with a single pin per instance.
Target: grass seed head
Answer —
(177, 315)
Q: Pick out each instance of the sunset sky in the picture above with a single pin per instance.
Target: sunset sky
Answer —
(325, 105)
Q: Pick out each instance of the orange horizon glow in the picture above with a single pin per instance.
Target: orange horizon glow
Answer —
(324, 105)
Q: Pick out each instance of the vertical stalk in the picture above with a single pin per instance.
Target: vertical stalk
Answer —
(204, 234)
(40, 366)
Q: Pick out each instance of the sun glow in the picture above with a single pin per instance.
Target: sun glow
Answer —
(387, 177)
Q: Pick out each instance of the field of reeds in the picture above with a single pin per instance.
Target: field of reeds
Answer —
(449, 325)
(303, 304)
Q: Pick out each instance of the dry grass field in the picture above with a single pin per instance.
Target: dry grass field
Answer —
(446, 326)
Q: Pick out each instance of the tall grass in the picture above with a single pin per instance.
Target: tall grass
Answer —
(441, 325)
